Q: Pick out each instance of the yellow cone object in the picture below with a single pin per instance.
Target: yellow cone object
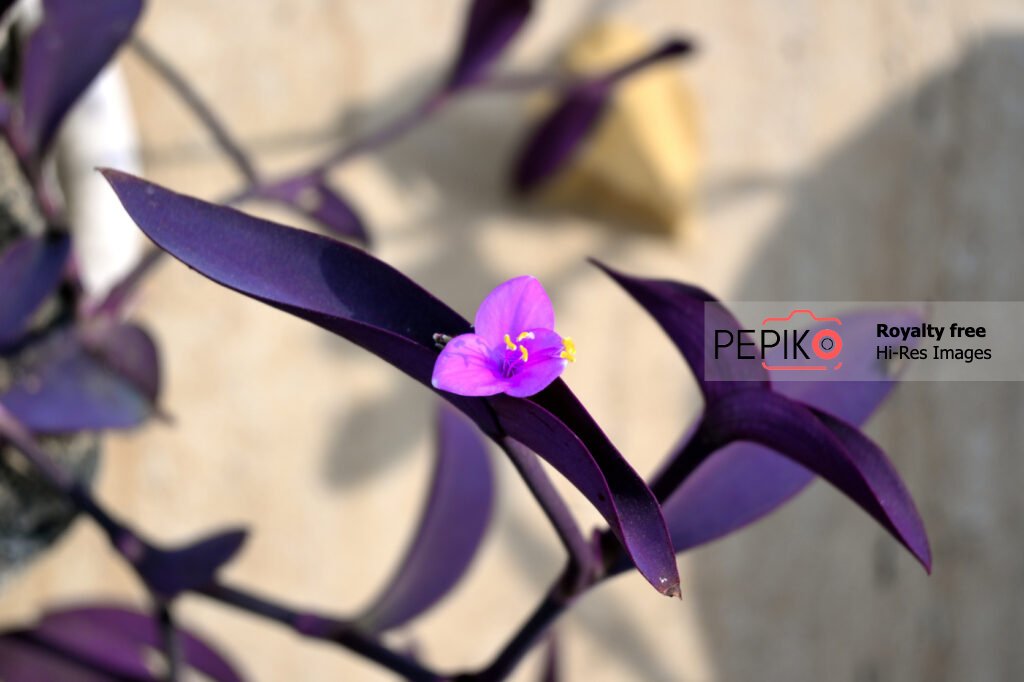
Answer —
(639, 166)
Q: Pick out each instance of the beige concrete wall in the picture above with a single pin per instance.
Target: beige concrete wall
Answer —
(852, 150)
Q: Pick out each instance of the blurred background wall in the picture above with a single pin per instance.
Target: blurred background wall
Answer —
(868, 150)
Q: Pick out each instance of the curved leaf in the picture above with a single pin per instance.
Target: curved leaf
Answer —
(171, 572)
(829, 447)
(30, 270)
(744, 482)
(96, 642)
(490, 27)
(66, 51)
(107, 381)
(451, 528)
(350, 293)
(555, 139)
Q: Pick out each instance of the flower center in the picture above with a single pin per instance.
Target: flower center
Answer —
(517, 353)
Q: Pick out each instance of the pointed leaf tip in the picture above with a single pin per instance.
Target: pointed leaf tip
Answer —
(744, 482)
(829, 447)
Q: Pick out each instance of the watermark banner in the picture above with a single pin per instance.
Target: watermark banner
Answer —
(864, 341)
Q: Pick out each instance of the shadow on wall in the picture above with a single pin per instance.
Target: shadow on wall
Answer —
(925, 202)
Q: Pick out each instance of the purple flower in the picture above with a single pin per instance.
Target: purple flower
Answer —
(514, 350)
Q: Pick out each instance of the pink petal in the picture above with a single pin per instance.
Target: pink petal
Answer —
(545, 364)
(467, 366)
(513, 307)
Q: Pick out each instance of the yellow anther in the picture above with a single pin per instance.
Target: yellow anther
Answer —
(526, 353)
(508, 342)
(526, 335)
(569, 352)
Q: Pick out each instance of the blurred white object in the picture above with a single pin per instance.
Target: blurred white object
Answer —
(100, 131)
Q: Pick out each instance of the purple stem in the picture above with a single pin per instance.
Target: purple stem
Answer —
(323, 628)
(171, 641)
(531, 631)
(199, 107)
(124, 539)
(582, 559)
(698, 448)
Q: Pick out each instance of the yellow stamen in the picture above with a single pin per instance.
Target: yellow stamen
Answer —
(569, 352)
(526, 353)
(526, 335)
(508, 343)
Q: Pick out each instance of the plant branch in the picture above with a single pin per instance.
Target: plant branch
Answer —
(582, 558)
(127, 542)
(199, 107)
(684, 461)
(320, 627)
(171, 642)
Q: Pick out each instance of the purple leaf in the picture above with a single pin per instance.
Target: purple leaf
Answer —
(829, 447)
(30, 269)
(490, 27)
(312, 197)
(553, 142)
(743, 482)
(348, 292)
(171, 572)
(680, 310)
(68, 49)
(96, 642)
(81, 383)
(451, 528)
(130, 352)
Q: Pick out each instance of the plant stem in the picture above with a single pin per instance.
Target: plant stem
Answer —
(171, 642)
(320, 627)
(310, 625)
(684, 461)
(582, 559)
(536, 625)
(199, 107)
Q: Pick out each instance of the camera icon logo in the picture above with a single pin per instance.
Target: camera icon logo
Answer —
(825, 345)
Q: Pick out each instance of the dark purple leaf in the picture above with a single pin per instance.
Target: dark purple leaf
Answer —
(130, 352)
(97, 642)
(490, 27)
(68, 49)
(744, 482)
(829, 447)
(681, 311)
(170, 572)
(451, 528)
(30, 270)
(81, 383)
(553, 142)
(312, 197)
(348, 292)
